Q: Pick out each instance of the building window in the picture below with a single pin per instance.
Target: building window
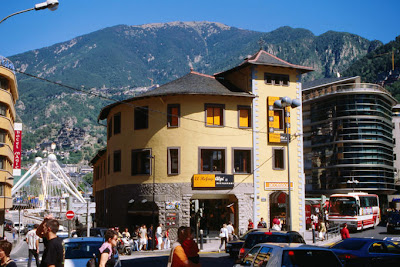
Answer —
(173, 160)
(173, 114)
(212, 160)
(3, 135)
(2, 163)
(279, 119)
(276, 79)
(3, 83)
(141, 118)
(117, 123)
(117, 161)
(104, 168)
(141, 162)
(242, 161)
(109, 129)
(244, 116)
(108, 165)
(3, 109)
(214, 114)
(279, 159)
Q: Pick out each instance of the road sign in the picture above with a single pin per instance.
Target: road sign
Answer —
(70, 215)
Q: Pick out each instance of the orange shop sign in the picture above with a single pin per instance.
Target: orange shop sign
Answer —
(277, 185)
(213, 180)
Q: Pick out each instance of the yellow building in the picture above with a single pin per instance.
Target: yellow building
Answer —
(8, 98)
(206, 149)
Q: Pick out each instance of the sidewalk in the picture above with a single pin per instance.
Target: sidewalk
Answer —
(327, 242)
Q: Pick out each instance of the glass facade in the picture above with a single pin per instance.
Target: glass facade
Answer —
(348, 135)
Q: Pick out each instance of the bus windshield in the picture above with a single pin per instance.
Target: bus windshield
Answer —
(343, 206)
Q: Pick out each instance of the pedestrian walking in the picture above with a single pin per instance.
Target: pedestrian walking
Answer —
(13, 231)
(190, 247)
(322, 230)
(5, 250)
(345, 232)
(106, 250)
(223, 234)
(33, 245)
(250, 225)
(276, 224)
(150, 238)
(178, 257)
(166, 240)
(262, 223)
(53, 254)
(143, 237)
(231, 231)
(159, 233)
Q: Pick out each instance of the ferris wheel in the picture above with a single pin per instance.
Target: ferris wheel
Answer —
(54, 181)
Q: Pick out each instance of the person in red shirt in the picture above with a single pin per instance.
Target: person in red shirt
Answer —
(251, 225)
(345, 232)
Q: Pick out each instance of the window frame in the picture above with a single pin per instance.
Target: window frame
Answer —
(137, 122)
(169, 115)
(222, 114)
(169, 161)
(250, 150)
(277, 79)
(117, 152)
(117, 127)
(149, 159)
(3, 107)
(248, 108)
(109, 128)
(274, 149)
(224, 149)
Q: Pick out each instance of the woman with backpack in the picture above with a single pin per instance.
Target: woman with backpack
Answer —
(107, 249)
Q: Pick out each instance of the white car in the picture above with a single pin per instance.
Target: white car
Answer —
(78, 251)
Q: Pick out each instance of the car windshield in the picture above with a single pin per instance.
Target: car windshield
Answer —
(309, 257)
(394, 217)
(343, 206)
(79, 250)
(254, 239)
(350, 244)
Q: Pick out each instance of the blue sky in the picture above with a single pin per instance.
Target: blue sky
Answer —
(374, 20)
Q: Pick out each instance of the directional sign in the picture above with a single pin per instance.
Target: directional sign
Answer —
(70, 215)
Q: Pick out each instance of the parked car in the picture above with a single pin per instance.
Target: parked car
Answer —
(28, 227)
(98, 231)
(393, 223)
(262, 236)
(8, 225)
(78, 251)
(299, 255)
(233, 247)
(367, 251)
(62, 234)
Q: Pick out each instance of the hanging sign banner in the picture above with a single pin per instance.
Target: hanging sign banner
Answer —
(17, 149)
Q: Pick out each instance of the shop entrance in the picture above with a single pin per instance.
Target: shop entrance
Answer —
(277, 203)
(142, 213)
(209, 214)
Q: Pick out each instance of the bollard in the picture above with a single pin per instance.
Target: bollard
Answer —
(313, 233)
(201, 239)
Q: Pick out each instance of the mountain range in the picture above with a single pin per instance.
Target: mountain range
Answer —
(114, 62)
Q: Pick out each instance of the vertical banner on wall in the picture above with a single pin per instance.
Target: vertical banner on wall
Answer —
(17, 149)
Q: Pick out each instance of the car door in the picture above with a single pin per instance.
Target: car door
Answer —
(392, 254)
(377, 253)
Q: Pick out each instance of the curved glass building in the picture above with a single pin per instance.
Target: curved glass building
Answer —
(348, 140)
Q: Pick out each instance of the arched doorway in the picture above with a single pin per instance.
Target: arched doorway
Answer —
(142, 212)
(277, 207)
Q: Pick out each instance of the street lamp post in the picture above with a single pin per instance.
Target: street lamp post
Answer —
(153, 157)
(283, 103)
(353, 182)
(50, 4)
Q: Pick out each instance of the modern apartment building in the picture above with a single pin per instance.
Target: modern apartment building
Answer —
(8, 98)
(205, 150)
(348, 140)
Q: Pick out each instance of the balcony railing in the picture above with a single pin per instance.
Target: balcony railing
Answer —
(5, 62)
(333, 89)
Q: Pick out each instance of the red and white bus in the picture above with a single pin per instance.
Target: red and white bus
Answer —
(359, 210)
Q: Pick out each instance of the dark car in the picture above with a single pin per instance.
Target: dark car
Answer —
(262, 236)
(367, 252)
(233, 247)
(8, 225)
(299, 255)
(98, 231)
(28, 227)
(393, 223)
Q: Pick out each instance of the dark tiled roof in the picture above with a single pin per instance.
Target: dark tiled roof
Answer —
(99, 154)
(264, 58)
(326, 81)
(193, 83)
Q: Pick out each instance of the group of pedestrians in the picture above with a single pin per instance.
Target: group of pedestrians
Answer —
(318, 223)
